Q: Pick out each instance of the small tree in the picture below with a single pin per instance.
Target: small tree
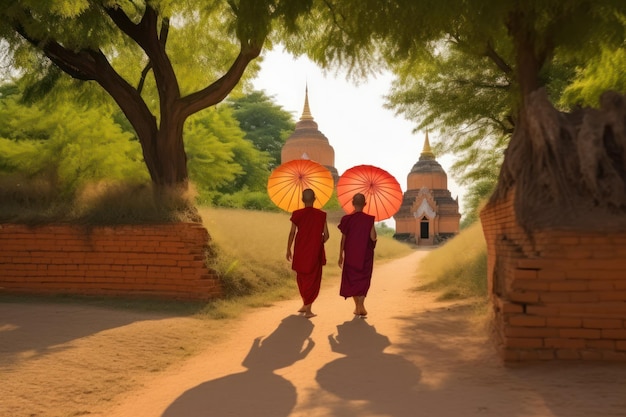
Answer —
(124, 47)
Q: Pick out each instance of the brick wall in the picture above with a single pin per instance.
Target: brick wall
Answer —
(557, 294)
(164, 261)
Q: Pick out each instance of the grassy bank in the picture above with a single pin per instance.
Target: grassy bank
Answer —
(251, 247)
(458, 268)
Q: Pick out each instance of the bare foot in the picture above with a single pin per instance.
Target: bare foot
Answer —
(309, 315)
(302, 310)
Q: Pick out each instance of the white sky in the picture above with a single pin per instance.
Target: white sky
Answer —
(352, 117)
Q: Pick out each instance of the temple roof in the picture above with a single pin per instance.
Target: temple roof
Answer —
(427, 162)
(306, 127)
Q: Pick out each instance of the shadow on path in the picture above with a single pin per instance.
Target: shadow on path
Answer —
(258, 391)
(43, 329)
(375, 381)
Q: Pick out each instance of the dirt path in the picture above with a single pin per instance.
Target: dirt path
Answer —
(413, 356)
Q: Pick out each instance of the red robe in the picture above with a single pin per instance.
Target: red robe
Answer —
(358, 261)
(308, 252)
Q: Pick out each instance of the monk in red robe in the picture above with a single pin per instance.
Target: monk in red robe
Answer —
(356, 254)
(309, 230)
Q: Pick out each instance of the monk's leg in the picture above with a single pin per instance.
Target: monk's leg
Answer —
(360, 301)
(356, 306)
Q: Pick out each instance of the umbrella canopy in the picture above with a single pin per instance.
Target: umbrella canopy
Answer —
(383, 195)
(288, 180)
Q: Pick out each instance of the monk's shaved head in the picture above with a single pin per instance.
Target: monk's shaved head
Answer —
(358, 200)
(308, 196)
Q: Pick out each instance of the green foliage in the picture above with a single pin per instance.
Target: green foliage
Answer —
(602, 73)
(478, 193)
(266, 124)
(459, 267)
(383, 230)
(245, 199)
(160, 61)
(456, 62)
(70, 146)
(220, 158)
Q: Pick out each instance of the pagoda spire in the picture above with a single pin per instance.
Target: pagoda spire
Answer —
(427, 151)
(306, 112)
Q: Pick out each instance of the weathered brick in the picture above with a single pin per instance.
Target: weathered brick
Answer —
(564, 343)
(526, 343)
(523, 320)
(530, 332)
(564, 322)
(602, 323)
(523, 296)
(67, 259)
(601, 344)
(569, 286)
(580, 333)
(568, 354)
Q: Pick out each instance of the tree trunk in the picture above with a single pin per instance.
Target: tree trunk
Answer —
(568, 170)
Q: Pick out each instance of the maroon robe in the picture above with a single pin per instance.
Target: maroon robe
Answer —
(358, 260)
(308, 251)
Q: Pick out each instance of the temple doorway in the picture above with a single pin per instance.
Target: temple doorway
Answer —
(424, 229)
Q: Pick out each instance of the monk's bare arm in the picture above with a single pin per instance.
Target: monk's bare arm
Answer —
(343, 241)
(373, 234)
(292, 234)
(325, 235)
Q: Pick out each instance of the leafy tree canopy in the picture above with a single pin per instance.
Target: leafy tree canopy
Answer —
(161, 61)
(266, 124)
(464, 68)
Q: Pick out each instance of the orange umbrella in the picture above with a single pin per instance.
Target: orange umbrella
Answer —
(383, 195)
(288, 180)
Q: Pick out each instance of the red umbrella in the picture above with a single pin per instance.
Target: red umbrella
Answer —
(288, 180)
(383, 195)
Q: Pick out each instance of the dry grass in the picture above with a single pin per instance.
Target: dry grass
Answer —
(251, 248)
(39, 200)
(459, 267)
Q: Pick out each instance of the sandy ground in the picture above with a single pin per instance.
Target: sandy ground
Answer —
(412, 356)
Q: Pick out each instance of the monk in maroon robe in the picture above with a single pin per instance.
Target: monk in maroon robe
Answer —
(309, 230)
(356, 254)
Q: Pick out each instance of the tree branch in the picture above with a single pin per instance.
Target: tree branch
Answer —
(491, 53)
(219, 90)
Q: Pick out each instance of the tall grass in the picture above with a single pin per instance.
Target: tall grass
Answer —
(458, 268)
(251, 247)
